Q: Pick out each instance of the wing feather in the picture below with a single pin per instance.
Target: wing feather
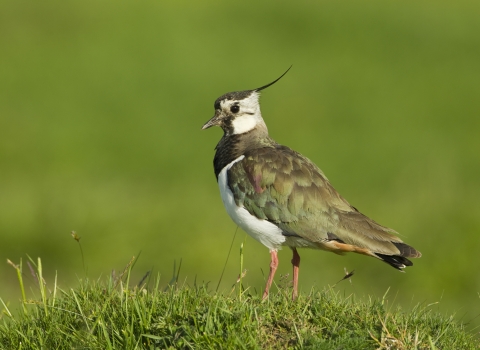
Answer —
(282, 186)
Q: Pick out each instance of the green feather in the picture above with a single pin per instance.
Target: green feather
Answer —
(280, 185)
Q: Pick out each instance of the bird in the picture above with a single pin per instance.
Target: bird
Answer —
(281, 198)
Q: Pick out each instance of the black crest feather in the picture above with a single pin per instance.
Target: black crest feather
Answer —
(273, 82)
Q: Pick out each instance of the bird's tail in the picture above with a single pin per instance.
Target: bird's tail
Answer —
(400, 261)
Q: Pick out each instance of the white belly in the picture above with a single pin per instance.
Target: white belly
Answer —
(262, 230)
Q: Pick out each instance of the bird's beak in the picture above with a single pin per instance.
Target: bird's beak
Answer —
(214, 121)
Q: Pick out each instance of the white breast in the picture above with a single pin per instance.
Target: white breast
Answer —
(263, 231)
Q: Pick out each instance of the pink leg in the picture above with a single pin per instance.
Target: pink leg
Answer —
(296, 269)
(273, 269)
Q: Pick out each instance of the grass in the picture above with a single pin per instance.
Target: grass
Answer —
(110, 313)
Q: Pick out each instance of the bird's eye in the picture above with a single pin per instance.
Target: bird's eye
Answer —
(235, 108)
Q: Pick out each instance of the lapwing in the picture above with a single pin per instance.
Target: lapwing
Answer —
(281, 198)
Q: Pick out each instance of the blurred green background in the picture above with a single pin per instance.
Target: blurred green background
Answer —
(101, 105)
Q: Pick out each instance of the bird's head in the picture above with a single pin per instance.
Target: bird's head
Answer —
(239, 112)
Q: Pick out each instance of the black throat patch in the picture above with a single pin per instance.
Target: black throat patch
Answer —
(231, 147)
(227, 151)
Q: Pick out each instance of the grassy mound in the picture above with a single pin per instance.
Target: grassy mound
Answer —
(109, 315)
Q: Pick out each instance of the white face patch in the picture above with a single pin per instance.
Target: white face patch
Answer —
(251, 104)
(248, 116)
(244, 123)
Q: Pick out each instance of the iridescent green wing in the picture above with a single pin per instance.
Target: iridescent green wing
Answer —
(285, 188)
(281, 186)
